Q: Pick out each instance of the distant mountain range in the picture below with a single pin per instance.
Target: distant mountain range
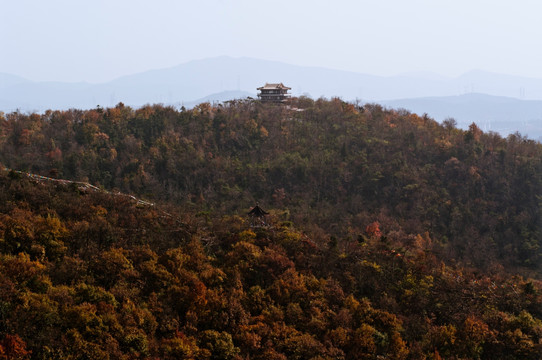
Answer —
(502, 107)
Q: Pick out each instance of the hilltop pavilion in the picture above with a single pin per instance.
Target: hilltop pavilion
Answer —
(273, 92)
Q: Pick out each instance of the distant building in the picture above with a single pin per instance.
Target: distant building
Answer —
(274, 92)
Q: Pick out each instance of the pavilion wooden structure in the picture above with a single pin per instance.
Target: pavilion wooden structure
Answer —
(273, 92)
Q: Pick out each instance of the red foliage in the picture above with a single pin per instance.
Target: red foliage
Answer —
(12, 347)
(373, 229)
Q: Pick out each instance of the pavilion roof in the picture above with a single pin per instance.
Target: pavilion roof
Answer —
(274, 86)
(258, 212)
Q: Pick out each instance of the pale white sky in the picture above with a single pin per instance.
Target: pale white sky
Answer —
(99, 40)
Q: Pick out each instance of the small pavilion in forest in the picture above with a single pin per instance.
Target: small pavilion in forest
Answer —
(257, 216)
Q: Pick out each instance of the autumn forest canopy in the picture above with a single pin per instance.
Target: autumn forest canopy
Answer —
(389, 235)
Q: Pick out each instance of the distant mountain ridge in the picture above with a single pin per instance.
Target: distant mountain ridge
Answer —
(197, 79)
(10, 80)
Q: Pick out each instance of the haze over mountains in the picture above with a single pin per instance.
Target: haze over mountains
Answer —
(496, 102)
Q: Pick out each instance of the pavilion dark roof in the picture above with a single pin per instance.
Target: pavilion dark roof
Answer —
(257, 211)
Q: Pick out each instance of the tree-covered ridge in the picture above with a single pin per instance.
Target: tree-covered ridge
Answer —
(329, 166)
(91, 275)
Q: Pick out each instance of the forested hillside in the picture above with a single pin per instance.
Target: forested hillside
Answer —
(86, 274)
(330, 167)
(389, 235)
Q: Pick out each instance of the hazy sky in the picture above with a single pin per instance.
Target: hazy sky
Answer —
(99, 40)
